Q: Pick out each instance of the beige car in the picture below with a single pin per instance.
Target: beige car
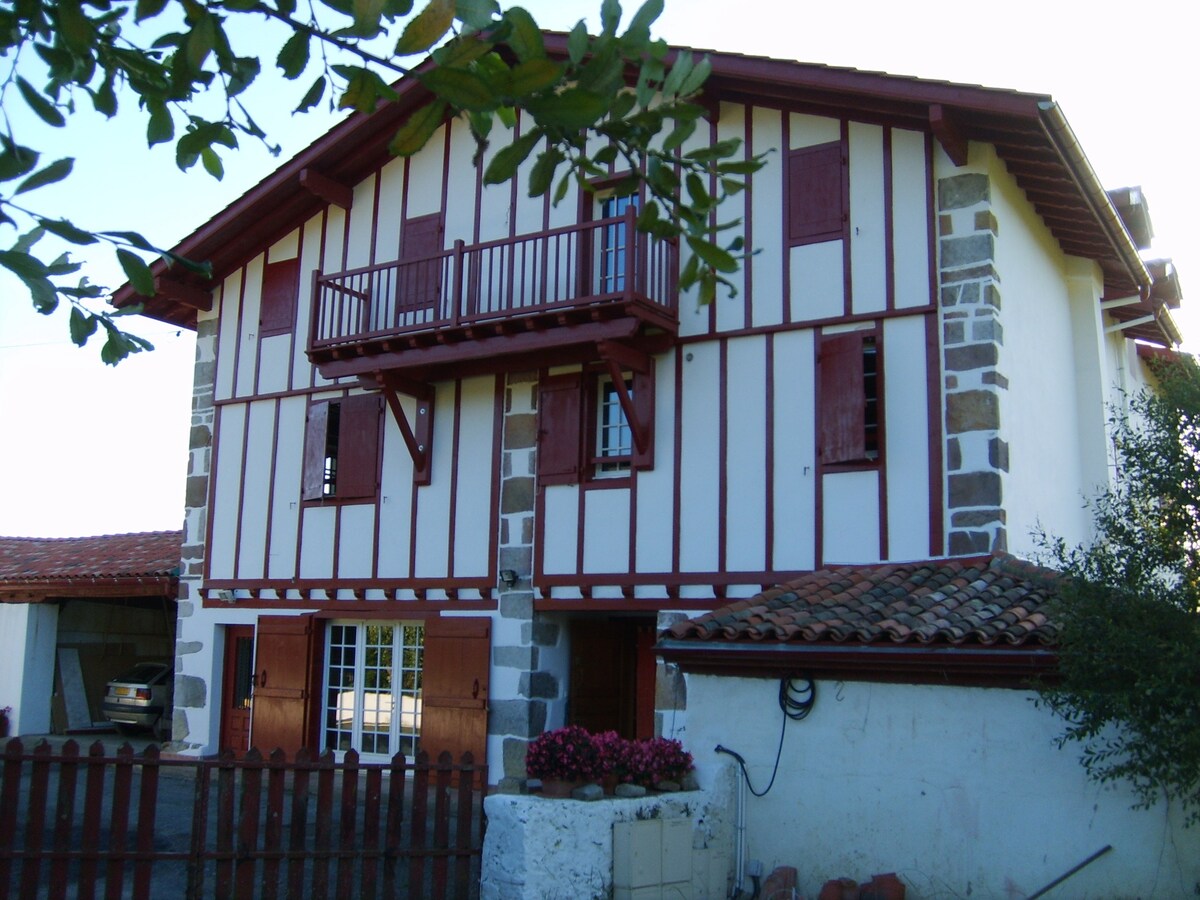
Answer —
(141, 697)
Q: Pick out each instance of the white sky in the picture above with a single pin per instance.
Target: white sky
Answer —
(88, 449)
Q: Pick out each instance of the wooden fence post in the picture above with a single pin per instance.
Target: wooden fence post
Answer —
(64, 817)
(147, 806)
(247, 837)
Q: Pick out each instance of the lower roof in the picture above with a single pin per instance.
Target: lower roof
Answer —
(33, 569)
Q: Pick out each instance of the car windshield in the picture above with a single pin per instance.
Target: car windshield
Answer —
(142, 673)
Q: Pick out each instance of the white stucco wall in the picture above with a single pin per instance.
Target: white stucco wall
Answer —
(960, 791)
(27, 664)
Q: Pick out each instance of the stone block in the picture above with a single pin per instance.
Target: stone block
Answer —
(540, 685)
(516, 604)
(670, 688)
(954, 332)
(965, 543)
(185, 608)
(972, 489)
(972, 356)
(516, 495)
(991, 295)
(945, 224)
(190, 692)
(961, 191)
(184, 648)
(995, 378)
(987, 328)
(953, 455)
(540, 632)
(523, 658)
(519, 559)
(965, 251)
(970, 273)
(589, 793)
(629, 791)
(998, 454)
(200, 436)
(521, 718)
(985, 220)
(514, 757)
(520, 431)
(1000, 540)
(977, 518)
(196, 492)
(972, 411)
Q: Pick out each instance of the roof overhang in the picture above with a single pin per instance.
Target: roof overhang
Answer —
(40, 590)
(1028, 131)
(944, 664)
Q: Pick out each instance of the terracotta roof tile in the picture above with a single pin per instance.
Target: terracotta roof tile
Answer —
(981, 601)
(152, 553)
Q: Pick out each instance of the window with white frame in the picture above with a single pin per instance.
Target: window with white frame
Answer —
(614, 438)
(373, 687)
(613, 243)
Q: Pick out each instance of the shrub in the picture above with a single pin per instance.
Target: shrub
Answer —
(569, 753)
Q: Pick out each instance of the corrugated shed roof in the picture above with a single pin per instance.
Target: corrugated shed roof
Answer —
(990, 601)
(145, 554)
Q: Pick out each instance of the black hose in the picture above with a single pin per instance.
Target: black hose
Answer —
(797, 696)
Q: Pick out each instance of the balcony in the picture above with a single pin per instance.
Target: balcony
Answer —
(542, 299)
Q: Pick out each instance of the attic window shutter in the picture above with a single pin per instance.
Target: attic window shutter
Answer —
(420, 282)
(560, 441)
(277, 308)
(313, 487)
(816, 204)
(358, 447)
(842, 408)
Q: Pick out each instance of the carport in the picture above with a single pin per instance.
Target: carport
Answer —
(75, 612)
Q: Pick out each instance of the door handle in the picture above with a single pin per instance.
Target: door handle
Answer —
(262, 679)
(475, 690)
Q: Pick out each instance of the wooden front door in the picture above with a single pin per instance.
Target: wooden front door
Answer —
(454, 687)
(237, 688)
(612, 676)
(287, 667)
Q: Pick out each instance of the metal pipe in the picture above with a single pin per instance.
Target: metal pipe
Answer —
(1063, 877)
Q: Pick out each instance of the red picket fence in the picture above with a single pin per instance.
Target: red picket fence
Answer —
(197, 828)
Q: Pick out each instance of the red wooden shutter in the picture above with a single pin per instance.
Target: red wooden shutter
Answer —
(313, 485)
(454, 686)
(286, 665)
(643, 404)
(841, 405)
(277, 308)
(420, 283)
(358, 447)
(816, 209)
(560, 429)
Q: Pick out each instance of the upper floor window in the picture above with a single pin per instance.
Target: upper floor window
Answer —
(849, 398)
(277, 306)
(613, 244)
(341, 449)
(817, 196)
(614, 437)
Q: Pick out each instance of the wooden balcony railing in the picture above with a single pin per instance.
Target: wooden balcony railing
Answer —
(582, 267)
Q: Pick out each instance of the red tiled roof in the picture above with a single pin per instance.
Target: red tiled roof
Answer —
(109, 556)
(989, 601)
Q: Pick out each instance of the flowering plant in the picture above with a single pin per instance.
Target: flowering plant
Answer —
(660, 759)
(569, 753)
(617, 756)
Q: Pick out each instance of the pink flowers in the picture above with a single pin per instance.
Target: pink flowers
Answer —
(572, 753)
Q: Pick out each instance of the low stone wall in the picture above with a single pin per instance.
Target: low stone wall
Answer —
(549, 849)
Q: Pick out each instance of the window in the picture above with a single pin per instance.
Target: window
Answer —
(583, 431)
(373, 687)
(277, 308)
(848, 385)
(614, 437)
(816, 194)
(613, 241)
(341, 449)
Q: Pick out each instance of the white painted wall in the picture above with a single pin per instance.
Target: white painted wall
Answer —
(28, 632)
(960, 791)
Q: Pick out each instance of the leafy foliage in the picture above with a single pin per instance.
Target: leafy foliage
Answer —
(168, 54)
(1130, 614)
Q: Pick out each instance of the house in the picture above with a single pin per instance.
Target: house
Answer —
(76, 612)
(458, 455)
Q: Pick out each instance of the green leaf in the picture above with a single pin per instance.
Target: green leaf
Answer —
(46, 111)
(476, 14)
(740, 167)
(637, 35)
(364, 89)
(426, 28)
(564, 184)
(460, 88)
(541, 176)
(534, 75)
(56, 171)
(104, 98)
(74, 27)
(610, 17)
(712, 255)
(678, 135)
(83, 326)
(504, 164)
(15, 160)
(461, 52)
(367, 15)
(200, 41)
(293, 56)
(696, 78)
(161, 127)
(416, 132)
(525, 39)
(679, 72)
(132, 238)
(212, 163)
(713, 152)
(23, 264)
(312, 96)
(577, 42)
(148, 9)
(697, 192)
(572, 109)
(141, 279)
(68, 232)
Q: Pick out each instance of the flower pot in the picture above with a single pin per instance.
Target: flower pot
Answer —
(558, 787)
(3, 725)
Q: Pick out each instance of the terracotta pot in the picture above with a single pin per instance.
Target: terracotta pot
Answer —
(839, 889)
(883, 887)
(558, 787)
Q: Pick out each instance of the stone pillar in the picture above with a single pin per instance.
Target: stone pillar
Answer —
(518, 636)
(972, 346)
(191, 690)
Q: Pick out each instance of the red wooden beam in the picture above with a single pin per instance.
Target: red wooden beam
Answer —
(180, 292)
(326, 188)
(946, 130)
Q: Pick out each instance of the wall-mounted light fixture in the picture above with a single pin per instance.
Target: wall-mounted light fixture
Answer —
(508, 577)
(226, 596)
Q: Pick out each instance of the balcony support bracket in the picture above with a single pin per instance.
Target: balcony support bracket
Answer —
(618, 358)
(418, 437)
